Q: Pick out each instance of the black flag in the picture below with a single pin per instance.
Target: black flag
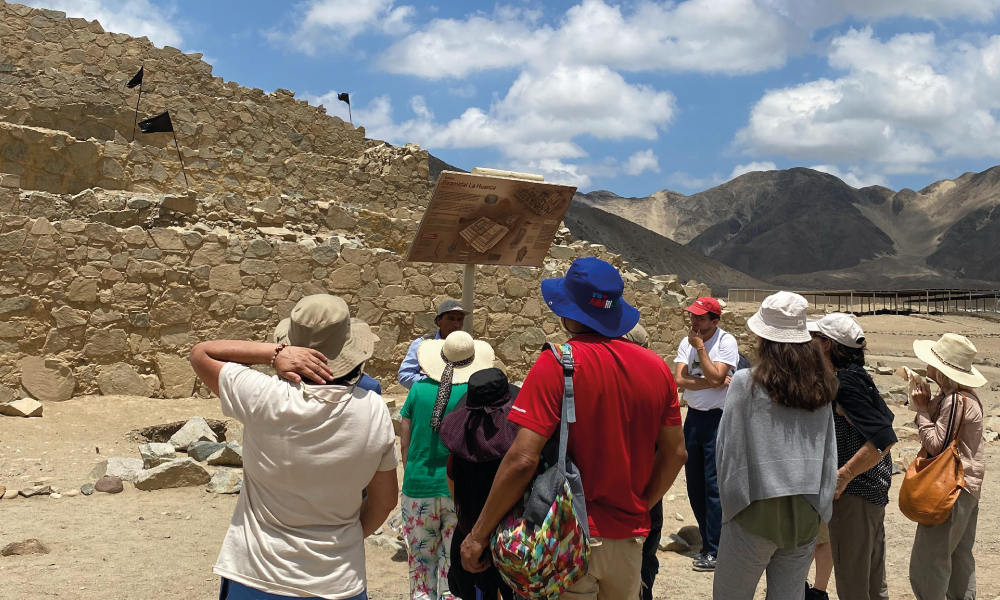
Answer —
(157, 124)
(344, 97)
(136, 79)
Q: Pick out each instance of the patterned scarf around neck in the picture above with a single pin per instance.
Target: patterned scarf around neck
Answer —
(444, 389)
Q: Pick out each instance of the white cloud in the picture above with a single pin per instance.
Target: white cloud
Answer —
(853, 176)
(822, 13)
(644, 160)
(135, 17)
(467, 91)
(331, 23)
(902, 104)
(751, 167)
(724, 36)
(536, 124)
(689, 182)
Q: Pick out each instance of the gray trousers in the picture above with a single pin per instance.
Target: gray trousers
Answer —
(857, 539)
(941, 563)
(744, 557)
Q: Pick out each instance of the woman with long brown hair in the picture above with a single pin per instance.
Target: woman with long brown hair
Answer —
(776, 457)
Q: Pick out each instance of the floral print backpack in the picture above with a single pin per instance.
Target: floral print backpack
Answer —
(544, 549)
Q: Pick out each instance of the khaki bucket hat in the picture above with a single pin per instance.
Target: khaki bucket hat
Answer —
(323, 322)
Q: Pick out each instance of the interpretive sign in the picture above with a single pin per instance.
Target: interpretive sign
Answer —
(476, 219)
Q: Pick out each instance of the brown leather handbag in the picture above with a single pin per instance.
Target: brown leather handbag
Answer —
(932, 484)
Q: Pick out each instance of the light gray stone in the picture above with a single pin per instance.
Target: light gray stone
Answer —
(176, 375)
(202, 450)
(225, 482)
(195, 430)
(230, 455)
(124, 468)
(183, 472)
(155, 454)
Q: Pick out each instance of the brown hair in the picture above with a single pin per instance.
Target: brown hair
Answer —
(794, 375)
(844, 356)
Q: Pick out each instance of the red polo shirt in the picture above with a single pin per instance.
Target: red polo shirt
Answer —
(624, 394)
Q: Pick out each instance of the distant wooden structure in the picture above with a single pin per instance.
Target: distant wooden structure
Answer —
(899, 302)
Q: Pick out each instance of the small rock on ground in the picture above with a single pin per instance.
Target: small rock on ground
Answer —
(126, 469)
(200, 451)
(10, 495)
(36, 490)
(109, 484)
(183, 472)
(155, 454)
(71, 493)
(31, 546)
(87, 489)
(195, 430)
(225, 482)
(230, 455)
(25, 407)
(675, 543)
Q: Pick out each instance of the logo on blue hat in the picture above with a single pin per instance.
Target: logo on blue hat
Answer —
(603, 301)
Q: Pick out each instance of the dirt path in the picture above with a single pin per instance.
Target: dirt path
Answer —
(163, 544)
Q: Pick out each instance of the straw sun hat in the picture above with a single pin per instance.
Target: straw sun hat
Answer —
(323, 322)
(782, 318)
(458, 348)
(952, 355)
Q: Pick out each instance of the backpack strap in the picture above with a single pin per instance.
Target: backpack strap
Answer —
(565, 358)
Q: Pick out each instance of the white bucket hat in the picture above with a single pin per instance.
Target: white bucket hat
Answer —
(467, 356)
(952, 355)
(782, 319)
(841, 328)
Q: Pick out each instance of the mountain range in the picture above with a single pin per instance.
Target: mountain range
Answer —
(806, 229)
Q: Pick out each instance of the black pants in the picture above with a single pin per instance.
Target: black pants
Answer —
(650, 565)
(463, 584)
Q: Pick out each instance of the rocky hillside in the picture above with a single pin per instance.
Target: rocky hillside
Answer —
(801, 227)
(652, 252)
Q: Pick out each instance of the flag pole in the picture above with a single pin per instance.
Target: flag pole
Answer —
(176, 145)
(349, 115)
(136, 119)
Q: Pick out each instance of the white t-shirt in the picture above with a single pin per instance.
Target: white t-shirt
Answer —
(721, 347)
(308, 452)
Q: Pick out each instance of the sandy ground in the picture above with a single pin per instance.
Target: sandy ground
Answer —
(162, 544)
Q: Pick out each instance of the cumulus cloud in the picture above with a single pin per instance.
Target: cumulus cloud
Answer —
(330, 23)
(721, 36)
(536, 124)
(821, 13)
(642, 161)
(135, 17)
(751, 167)
(688, 182)
(852, 176)
(901, 104)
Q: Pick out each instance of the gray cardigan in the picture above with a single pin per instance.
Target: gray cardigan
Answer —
(765, 450)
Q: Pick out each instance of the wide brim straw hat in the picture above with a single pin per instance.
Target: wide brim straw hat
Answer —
(457, 347)
(323, 322)
(782, 318)
(952, 355)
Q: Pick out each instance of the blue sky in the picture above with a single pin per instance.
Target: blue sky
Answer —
(634, 96)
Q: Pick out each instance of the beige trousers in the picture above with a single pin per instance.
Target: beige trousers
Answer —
(941, 562)
(857, 535)
(613, 573)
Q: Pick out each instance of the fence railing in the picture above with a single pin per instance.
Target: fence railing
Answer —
(860, 302)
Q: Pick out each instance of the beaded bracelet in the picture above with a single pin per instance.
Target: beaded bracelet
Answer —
(276, 351)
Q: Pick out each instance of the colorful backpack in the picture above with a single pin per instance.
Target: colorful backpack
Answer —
(544, 549)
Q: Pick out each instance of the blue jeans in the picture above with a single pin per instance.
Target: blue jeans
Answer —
(232, 590)
(701, 427)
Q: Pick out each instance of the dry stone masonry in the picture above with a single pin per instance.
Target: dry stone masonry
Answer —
(111, 270)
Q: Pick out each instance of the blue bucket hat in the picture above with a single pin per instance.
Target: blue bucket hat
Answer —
(591, 293)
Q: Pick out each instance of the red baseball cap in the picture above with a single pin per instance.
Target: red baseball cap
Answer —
(704, 305)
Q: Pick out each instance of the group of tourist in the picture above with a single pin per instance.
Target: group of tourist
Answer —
(786, 460)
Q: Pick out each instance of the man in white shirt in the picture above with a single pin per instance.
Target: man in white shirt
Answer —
(705, 361)
(308, 453)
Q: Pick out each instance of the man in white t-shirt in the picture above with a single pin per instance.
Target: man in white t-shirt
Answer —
(705, 361)
(308, 452)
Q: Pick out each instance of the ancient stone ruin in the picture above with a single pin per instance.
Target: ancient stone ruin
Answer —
(110, 270)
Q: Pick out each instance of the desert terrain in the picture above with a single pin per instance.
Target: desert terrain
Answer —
(163, 543)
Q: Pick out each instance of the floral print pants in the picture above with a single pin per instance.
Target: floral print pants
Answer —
(428, 526)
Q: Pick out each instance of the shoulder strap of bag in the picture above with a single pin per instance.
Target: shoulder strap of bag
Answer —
(961, 423)
(565, 358)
